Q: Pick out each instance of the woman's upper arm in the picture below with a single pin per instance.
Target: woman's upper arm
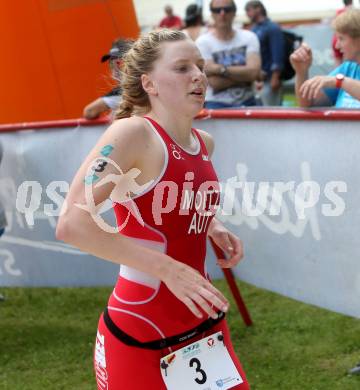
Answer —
(116, 152)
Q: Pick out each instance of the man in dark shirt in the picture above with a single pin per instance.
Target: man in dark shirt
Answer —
(272, 51)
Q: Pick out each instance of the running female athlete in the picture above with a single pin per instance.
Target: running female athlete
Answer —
(163, 295)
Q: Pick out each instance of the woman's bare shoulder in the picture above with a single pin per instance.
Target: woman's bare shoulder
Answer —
(128, 129)
(125, 139)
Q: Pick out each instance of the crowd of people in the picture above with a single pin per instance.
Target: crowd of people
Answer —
(245, 67)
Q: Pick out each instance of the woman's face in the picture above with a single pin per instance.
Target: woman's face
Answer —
(178, 77)
(350, 47)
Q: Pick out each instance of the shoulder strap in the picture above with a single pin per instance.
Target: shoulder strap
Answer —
(162, 133)
(202, 143)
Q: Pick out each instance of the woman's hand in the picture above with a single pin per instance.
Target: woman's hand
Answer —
(312, 88)
(191, 288)
(228, 242)
(301, 59)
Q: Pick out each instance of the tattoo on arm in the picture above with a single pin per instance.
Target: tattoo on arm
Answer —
(99, 165)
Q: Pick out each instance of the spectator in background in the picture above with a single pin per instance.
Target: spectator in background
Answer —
(111, 100)
(170, 20)
(232, 59)
(342, 86)
(272, 47)
(194, 25)
(2, 211)
(338, 57)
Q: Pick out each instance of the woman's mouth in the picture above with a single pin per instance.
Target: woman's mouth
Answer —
(197, 92)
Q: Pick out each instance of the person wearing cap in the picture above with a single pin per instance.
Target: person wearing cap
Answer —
(194, 24)
(111, 100)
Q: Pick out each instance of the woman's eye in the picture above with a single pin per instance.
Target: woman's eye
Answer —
(182, 68)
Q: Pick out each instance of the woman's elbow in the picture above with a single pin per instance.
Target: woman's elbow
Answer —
(66, 228)
(73, 228)
(62, 230)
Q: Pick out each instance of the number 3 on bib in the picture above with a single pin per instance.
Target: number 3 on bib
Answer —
(203, 365)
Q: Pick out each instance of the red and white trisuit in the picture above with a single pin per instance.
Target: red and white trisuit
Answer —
(175, 222)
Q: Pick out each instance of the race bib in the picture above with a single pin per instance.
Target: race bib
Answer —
(203, 365)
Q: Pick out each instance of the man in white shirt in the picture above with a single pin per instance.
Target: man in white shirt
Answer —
(232, 59)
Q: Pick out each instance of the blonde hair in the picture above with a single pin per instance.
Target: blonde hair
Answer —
(348, 23)
(139, 60)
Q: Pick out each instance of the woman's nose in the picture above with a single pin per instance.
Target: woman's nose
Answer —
(198, 74)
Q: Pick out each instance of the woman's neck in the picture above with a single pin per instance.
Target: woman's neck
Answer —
(179, 128)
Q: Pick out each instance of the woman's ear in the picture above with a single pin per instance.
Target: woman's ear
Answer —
(148, 85)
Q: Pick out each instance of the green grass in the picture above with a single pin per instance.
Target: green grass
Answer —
(46, 341)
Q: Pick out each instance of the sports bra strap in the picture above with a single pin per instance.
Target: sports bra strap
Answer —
(163, 134)
(202, 143)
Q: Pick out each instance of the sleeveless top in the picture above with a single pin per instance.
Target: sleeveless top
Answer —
(176, 210)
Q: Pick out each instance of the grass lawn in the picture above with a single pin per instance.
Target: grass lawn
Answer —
(47, 334)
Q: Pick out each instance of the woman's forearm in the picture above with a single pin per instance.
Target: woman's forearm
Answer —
(214, 222)
(80, 230)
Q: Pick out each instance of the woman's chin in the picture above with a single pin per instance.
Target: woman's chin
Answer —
(196, 109)
(188, 110)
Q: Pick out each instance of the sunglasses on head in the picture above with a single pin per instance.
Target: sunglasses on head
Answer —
(228, 9)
